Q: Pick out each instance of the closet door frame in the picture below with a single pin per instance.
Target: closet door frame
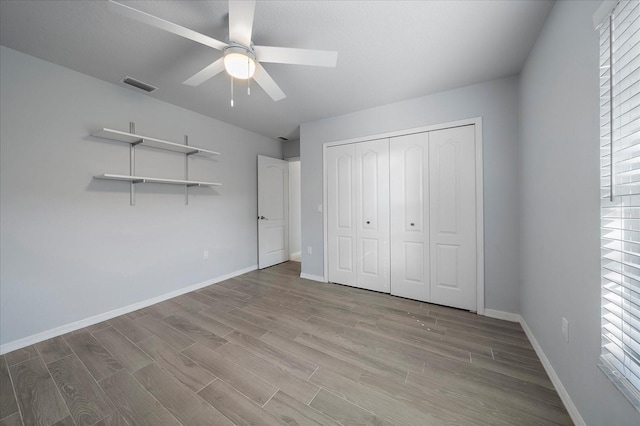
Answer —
(477, 122)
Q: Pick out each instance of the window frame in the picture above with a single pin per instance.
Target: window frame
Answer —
(617, 325)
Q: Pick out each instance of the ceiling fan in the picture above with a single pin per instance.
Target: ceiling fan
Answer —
(241, 60)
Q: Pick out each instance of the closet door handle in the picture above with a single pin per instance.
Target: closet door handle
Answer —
(413, 224)
(368, 222)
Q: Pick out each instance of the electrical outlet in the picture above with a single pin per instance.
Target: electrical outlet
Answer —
(309, 250)
(565, 329)
(205, 254)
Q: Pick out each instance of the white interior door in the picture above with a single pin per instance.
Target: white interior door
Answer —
(273, 211)
(452, 213)
(341, 214)
(372, 215)
(409, 198)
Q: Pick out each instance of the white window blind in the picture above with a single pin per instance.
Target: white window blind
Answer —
(620, 196)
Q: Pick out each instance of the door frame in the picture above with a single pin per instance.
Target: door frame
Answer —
(477, 121)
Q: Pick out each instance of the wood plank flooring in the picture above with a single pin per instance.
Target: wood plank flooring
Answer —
(269, 348)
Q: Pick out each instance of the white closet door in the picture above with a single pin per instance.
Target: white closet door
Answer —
(372, 215)
(341, 211)
(452, 216)
(409, 158)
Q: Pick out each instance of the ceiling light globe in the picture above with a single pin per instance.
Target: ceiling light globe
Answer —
(239, 65)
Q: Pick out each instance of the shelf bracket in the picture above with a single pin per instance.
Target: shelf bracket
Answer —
(132, 163)
(186, 170)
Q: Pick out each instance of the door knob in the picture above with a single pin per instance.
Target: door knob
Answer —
(368, 222)
(413, 224)
(262, 218)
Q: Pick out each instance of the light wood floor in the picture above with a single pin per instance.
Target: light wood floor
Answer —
(270, 348)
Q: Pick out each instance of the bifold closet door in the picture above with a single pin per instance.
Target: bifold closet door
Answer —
(452, 217)
(341, 213)
(409, 173)
(433, 217)
(372, 215)
(358, 214)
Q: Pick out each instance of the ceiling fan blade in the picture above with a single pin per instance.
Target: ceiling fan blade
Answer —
(241, 21)
(266, 82)
(287, 55)
(206, 73)
(162, 24)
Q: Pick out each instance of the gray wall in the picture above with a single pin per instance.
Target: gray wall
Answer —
(559, 157)
(71, 247)
(497, 103)
(291, 149)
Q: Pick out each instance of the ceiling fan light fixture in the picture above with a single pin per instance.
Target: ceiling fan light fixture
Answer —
(239, 62)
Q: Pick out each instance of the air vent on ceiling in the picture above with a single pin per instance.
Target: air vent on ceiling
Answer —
(139, 84)
(282, 138)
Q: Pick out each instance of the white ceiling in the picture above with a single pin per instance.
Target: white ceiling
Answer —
(388, 51)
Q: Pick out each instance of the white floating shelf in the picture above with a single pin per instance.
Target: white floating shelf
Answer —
(143, 179)
(130, 138)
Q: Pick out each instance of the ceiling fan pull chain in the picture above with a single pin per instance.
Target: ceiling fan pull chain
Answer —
(231, 92)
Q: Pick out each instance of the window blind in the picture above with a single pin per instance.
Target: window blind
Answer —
(620, 196)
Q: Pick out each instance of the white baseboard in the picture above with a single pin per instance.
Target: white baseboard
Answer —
(312, 277)
(507, 316)
(562, 392)
(296, 257)
(57, 331)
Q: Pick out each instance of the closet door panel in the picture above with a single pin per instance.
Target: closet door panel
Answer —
(414, 186)
(369, 185)
(372, 215)
(447, 258)
(452, 208)
(345, 255)
(409, 197)
(414, 266)
(341, 210)
(370, 257)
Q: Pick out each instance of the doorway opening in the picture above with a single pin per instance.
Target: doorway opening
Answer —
(295, 227)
